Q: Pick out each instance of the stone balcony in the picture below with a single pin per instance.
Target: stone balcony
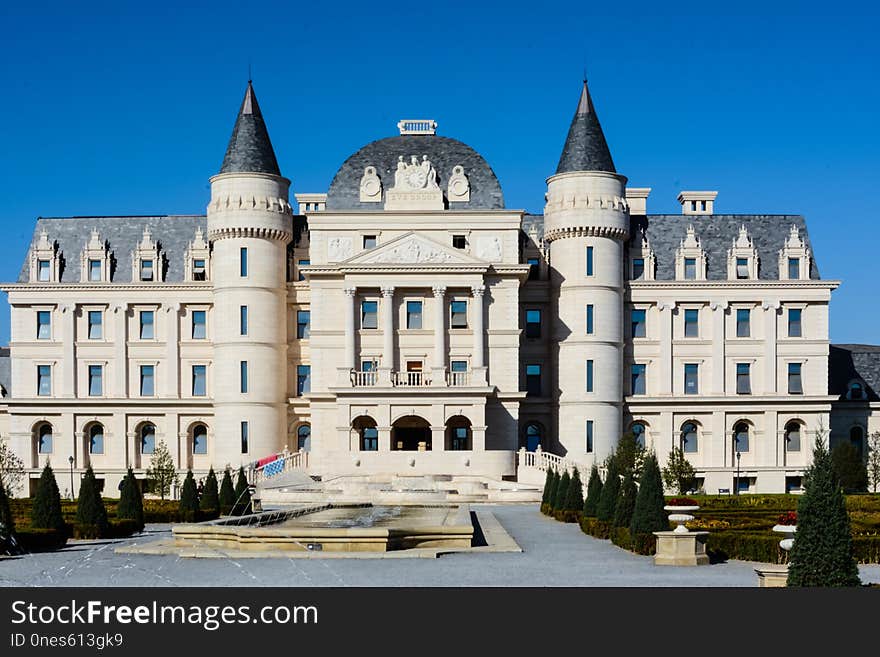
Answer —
(432, 379)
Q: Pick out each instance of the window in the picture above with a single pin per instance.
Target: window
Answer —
(96, 380)
(303, 380)
(638, 268)
(369, 241)
(44, 273)
(691, 378)
(243, 376)
(148, 439)
(690, 269)
(304, 437)
(413, 314)
(857, 438)
(146, 332)
(589, 436)
(368, 365)
(244, 437)
(743, 379)
(459, 241)
(742, 267)
(200, 439)
(243, 262)
(303, 324)
(243, 320)
(794, 322)
(199, 382)
(148, 385)
(96, 439)
(458, 366)
(793, 437)
(198, 269)
(794, 268)
(44, 327)
(589, 261)
(146, 270)
(369, 439)
(533, 323)
(637, 379)
(44, 439)
(458, 314)
(534, 268)
(94, 270)
(96, 324)
(459, 438)
(691, 323)
(533, 380)
(741, 437)
(689, 444)
(743, 322)
(856, 390)
(589, 376)
(369, 314)
(590, 319)
(199, 331)
(533, 437)
(638, 431)
(299, 265)
(638, 323)
(795, 384)
(44, 380)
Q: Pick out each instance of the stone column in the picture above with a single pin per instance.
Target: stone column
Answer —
(438, 371)
(478, 367)
(172, 343)
(350, 327)
(667, 335)
(719, 309)
(68, 379)
(120, 349)
(387, 336)
(438, 438)
(771, 308)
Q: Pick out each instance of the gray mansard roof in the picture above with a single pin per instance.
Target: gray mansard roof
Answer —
(173, 234)
(443, 152)
(850, 362)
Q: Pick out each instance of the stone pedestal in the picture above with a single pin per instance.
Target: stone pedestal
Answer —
(772, 577)
(681, 549)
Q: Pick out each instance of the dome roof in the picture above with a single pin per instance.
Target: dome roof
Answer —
(444, 154)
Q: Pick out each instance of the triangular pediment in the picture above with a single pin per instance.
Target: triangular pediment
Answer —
(413, 249)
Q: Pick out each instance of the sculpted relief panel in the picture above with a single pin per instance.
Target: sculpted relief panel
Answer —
(339, 249)
(412, 251)
(489, 248)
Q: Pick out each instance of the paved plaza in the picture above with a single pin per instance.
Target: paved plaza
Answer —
(554, 554)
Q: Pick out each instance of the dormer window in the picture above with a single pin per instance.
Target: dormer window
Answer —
(95, 260)
(856, 390)
(690, 259)
(794, 257)
(197, 259)
(198, 272)
(794, 268)
(742, 257)
(690, 269)
(146, 262)
(94, 270)
(642, 261)
(44, 270)
(44, 260)
(638, 268)
(742, 267)
(146, 270)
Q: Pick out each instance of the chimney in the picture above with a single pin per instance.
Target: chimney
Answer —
(697, 202)
(637, 198)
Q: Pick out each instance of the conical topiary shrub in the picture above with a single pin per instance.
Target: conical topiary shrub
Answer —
(7, 522)
(131, 501)
(822, 554)
(242, 504)
(626, 502)
(574, 499)
(648, 515)
(227, 493)
(46, 507)
(561, 493)
(545, 498)
(594, 491)
(91, 514)
(610, 490)
(210, 501)
(189, 499)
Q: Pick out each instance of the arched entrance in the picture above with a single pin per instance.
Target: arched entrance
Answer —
(410, 433)
(458, 434)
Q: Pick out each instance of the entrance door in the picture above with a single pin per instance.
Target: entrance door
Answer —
(410, 434)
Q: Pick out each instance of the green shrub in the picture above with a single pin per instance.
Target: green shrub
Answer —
(123, 528)
(131, 501)
(849, 468)
(595, 527)
(7, 521)
(561, 492)
(161, 511)
(227, 493)
(91, 516)
(620, 536)
(746, 546)
(594, 492)
(242, 504)
(189, 499)
(574, 499)
(46, 506)
(626, 503)
(34, 539)
(648, 514)
(610, 492)
(210, 500)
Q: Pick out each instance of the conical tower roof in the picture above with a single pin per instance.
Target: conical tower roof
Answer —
(585, 147)
(250, 150)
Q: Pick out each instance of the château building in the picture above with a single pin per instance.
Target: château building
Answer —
(406, 322)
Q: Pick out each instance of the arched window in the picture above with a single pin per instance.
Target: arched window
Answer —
(148, 439)
(96, 439)
(533, 436)
(857, 438)
(369, 439)
(741, 437)
(304, 437)
(856, 390)
(639, 432)
(200, 439)
(44, 439)
(793, 436)
(689, 432)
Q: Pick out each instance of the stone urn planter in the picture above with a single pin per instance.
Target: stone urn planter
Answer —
(680, 514)
(777, 575)
(681, 547)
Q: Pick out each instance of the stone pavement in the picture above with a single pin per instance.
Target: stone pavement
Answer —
(554, 554)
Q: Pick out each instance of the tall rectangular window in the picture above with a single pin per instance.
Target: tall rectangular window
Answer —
(44, 272)
(299, 265)
(691, 323)
(146, 270)
(638, 268)
(244, 437)
(199, 329)
(303, 380)
(589, 261)
(534, 268)
(589, 376)
(742, 267)
(794, 322)
(44, 380)
(638, 320)
(795, 383)
(198, 269)
(533, 323)
(413, 314)
(533, 380)
(96, 380)
(369, 314)
(303, 324)
(743, 379)
(589, 436)
(44, 326)
(794, 268)
(96, 325)
(458, 314)
(690, 269)
(94, 271)
(146, 332)
(638, 383)
(199, 381)
(148, 380)
(243, 376)
(590, 314)
(743, 322)
(242, 320)
(243, 262)
(691, 378)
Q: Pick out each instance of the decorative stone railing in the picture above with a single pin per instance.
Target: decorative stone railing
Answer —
(458, 379)
(411, 379)
(285, 462)
(359, 378)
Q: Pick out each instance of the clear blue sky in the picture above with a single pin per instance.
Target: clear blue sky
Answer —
(126, 108)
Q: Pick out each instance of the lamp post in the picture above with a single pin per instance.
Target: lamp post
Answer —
(736, 482)
(70, 460)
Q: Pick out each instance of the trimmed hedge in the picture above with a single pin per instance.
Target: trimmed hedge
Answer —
(41, 540)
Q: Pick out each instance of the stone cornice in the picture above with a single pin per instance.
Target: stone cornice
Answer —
(105, 287)
(739, 283)
(225, 232)
(586, 231)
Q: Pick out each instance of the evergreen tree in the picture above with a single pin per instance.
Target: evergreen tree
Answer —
(210, 502)
(227, 493)
(679, 474)
(131, 501)
(849, 468)
(822, 554)
(242, 494)
(548, 479)
(91, 514)
(648, 515)
(594, 492)
(46, 507)
(7, 522)
(189, 499)
(630, 456)
(626, 502)
(162, 472)
(551, 493)
(574, 499)
(610, 492)
(562, 491)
